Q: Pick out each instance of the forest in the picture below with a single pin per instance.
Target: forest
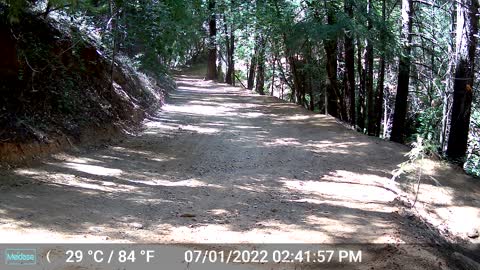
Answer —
(399, 70)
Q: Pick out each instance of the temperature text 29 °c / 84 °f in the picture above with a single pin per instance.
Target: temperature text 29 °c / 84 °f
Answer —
(110, 256)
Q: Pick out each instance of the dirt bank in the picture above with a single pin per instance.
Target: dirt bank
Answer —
(59, 89)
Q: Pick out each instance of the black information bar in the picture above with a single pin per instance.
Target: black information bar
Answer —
(214, 256)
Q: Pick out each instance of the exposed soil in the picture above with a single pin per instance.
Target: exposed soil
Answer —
(220, 165)
(59, 89)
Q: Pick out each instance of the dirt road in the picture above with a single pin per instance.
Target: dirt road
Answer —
(217, 165)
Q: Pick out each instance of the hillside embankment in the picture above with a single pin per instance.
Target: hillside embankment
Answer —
(58, 89)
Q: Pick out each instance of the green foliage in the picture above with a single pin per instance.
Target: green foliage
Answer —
(472, 165)
(15, 8)
(427, 129)
(12, 9)
(168, 29)
(153, 31)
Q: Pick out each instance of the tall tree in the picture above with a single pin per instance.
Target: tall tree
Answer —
(212, 46)
(252, 68)
(256, 47)
(447, 93)
(230, 46)
(330, 45)
(381, 75)
(400, 113)
(114, 26)
(369, 74)
(274, 62)
(467, 29)
(349, 75)
(260, 80)
(361, 88)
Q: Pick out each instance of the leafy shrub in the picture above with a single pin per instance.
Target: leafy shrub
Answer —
(428, 123)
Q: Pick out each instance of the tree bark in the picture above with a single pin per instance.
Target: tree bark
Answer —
(467, 29)
(369, 77)
(381, 80)
(293, 84)
(212, 50)
(361, 89)
(401, 100)
(114, 17)
(379, 98)
(310, 92)
(349, 79)
(231, 67)
(273, 74)
(252, 68)
(227, 50)
(230, 45)
(260, 85)
(330, 46)
(447, 95)
(295, 87)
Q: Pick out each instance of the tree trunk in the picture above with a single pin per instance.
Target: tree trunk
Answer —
(447, 96)
(312, 100)
(400, 113)
(361, 89)
(220, 75)
(310, 92)
(232, 54)
(369, 77)
(212, 47)
(381, 80)
(252, 68)
(349, 79)
(114, 18)
(467, 29)
(293, 84)
(47, 9)
(273, 74)
(330, 46)
(259, 86)
(295, 87)
(227, 50)
(332, 98)
(379, 98)
(230, 45)
(301, 79)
